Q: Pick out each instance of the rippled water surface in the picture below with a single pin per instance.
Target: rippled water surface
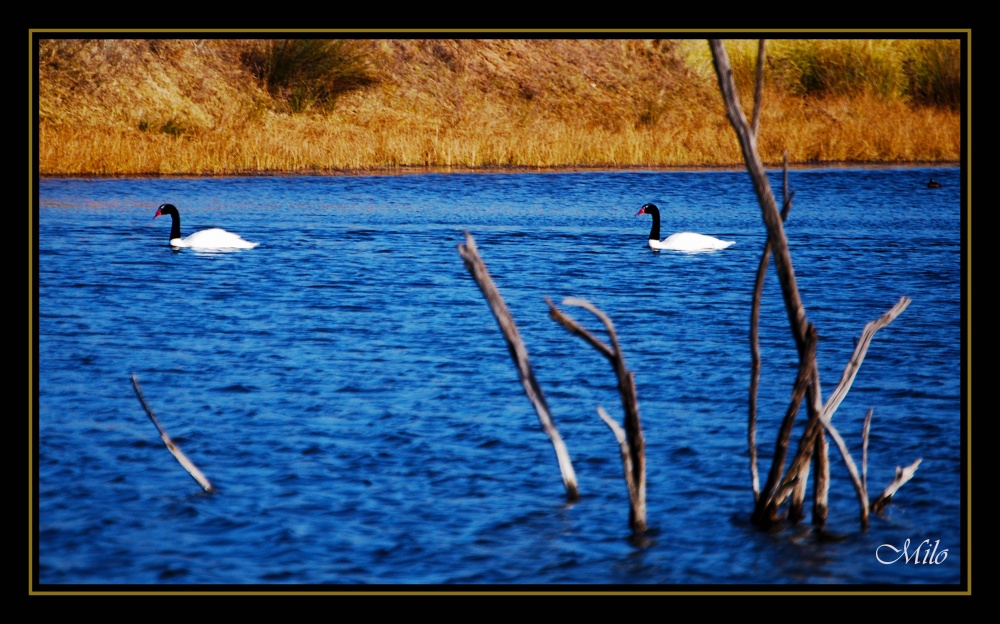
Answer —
(346, 389)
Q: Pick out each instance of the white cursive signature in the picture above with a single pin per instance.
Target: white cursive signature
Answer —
(888, 554)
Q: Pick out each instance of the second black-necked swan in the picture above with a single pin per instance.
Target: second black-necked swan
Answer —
(682, 241)
(206, 240)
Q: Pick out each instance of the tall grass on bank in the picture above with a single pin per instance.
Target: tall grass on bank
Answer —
(919, 72)
(304, 73)
(221, 107)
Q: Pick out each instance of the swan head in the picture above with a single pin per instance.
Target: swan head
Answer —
(166, 209)
(648, 209)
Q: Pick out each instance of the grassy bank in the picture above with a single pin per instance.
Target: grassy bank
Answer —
(226, 106)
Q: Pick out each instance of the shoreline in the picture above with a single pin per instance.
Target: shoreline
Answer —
(446, 170)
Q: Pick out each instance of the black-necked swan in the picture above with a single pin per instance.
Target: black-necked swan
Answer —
(682, 241)
(208, 240)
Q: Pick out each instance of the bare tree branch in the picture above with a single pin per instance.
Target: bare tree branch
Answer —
(902, 476)
(758, 292)
(173, 448)
(782, 258)
(813, 445)
(519, 354)
(765, 511)
(865, 431)
(821, 488)
(758, 94)
(851, 371)
(577, 330)
(821, 460)
(762, 187)
(635, 500)
(847, 379)
(636, 475)
(852, 469)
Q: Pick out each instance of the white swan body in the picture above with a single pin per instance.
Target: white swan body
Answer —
(682, 241)
(212, 239)
(689, 241)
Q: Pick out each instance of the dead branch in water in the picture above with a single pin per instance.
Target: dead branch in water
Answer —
(637, 503)
(758, 93)
(174, 450)
(852, 469)
(851, 371)
(902, 476)
(758, 292)
(630, 439)
(518, 353)
(765, 511)
(861, 481)
(779, 246)
(813, 447)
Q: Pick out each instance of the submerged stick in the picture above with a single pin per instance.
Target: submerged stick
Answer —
(174, 450)
(816, 426)
(634, 443)
(776, 490)
(852, 470)
(758, 293)
(865, 433)
(902, 476)
(518, 353)
(794, 308)
(851, 371)
(634, 498)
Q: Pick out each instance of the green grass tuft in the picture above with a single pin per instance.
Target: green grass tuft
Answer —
(307, 73)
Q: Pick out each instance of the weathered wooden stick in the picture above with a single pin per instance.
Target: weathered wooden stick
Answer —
(852, 470)
(865, 432)
(762, 187)
(174, 450)
(636, 476)
(519, 354)
(851, 371)
(795, 470)
(577, 330)
(819, 451)
(627, 467)
(821, 461)
(758, 293)
(809, 438)
(825, 413)
(902, 476)
(765, 511)
(782, 260)
(758, 94)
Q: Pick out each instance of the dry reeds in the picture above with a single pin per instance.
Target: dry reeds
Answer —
(130, 107)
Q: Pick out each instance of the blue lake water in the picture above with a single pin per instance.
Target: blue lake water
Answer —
(346, 389)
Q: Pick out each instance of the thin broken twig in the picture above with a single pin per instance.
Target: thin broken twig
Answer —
(174, 450)
(902, 476)
(477, 269)
(635, 445)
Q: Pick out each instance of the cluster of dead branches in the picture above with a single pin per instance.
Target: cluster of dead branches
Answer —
(629, 437)
(812, 451)
(812, 454)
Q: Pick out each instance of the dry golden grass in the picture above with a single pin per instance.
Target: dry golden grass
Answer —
(163, 107)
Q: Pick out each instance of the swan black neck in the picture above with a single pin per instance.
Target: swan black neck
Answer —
(175, 219)
(654, 232)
